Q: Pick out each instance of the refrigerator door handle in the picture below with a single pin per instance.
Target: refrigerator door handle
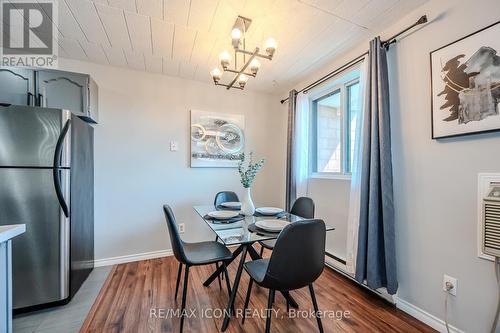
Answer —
(56, 172)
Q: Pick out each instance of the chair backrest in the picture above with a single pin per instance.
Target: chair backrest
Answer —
(175, 238)
(298, 258)
(303, 207)
(225, 196)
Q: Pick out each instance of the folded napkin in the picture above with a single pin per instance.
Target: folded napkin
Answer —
(225, 221)
(219, 207)
(278, 216)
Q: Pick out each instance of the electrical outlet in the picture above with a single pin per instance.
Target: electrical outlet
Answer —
(174, 146)
(454, 284)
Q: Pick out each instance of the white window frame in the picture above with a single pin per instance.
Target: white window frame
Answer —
(320, 93)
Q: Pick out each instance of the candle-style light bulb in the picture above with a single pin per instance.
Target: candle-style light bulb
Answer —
(225, 59)
(254, 66)
(270, 46)
(216, 74)
(242, 80)
(235, 37)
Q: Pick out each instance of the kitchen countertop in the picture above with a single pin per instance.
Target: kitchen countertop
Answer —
(8, 232)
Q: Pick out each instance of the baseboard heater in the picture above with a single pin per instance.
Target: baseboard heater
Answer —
(384, 296)
(334, 257)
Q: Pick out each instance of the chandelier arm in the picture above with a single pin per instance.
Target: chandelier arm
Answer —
(242, 70)
(237, 72)
(251, 53)
(227, 86)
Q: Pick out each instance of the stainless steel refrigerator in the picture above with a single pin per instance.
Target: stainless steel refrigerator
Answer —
(47, 183)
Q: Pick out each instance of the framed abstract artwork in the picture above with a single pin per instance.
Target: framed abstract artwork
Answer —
(217, 139)
(465, 85)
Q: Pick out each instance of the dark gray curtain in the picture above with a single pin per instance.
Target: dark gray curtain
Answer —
(376, 259)
(291, 186)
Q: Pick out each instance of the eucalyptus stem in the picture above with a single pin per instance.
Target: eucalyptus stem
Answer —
(248, 169)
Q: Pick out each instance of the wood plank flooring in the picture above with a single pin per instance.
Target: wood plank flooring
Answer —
(135, 294)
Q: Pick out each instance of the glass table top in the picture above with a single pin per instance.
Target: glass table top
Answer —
(237, 232)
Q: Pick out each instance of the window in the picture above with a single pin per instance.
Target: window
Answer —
(335, 114)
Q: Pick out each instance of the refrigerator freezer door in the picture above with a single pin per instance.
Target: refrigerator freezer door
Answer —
(40, 262)
(28, 136)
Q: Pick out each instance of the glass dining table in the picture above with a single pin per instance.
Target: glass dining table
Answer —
(238, 234)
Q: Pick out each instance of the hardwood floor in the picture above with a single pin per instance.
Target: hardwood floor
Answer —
(135, 294)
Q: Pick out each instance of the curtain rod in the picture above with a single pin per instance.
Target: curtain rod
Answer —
(358, 59)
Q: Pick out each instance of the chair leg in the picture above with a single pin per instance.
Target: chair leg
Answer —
(217, 264)
(218, 277)
(315, 305)
(289, 298)
(184, 293)
(247, 300)
(178, 280)
(228, 284)
(269, 311)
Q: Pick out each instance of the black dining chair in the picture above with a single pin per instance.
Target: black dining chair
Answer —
(293, 264)
(225, 196)
(303, 207)
(193, 254)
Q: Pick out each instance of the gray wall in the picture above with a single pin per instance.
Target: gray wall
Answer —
(135, 173)
(435, 182)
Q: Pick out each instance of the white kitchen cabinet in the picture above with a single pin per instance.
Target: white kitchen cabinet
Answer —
(6, 234)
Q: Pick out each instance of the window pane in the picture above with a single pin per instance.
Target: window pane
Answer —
(354, 109)
(329, 134)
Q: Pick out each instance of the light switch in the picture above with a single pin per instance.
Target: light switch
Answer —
(174, 146)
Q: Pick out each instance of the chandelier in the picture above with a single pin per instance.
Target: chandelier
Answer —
(248, 58)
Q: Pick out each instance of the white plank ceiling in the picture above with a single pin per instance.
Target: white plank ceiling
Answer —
(184, 37)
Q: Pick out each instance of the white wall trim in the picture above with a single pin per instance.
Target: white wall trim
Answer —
(132, 257)
(424, 316)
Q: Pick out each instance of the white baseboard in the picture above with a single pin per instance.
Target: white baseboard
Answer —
(424, 316)
(135, 257)
(132, 257)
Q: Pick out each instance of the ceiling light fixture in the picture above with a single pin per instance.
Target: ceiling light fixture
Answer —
(249, 58)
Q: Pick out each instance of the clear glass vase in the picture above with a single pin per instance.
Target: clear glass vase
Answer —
(247, 206)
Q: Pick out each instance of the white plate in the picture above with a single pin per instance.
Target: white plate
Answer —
(223, 214)
(272, 225)
(269, 210)
(231, 204)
